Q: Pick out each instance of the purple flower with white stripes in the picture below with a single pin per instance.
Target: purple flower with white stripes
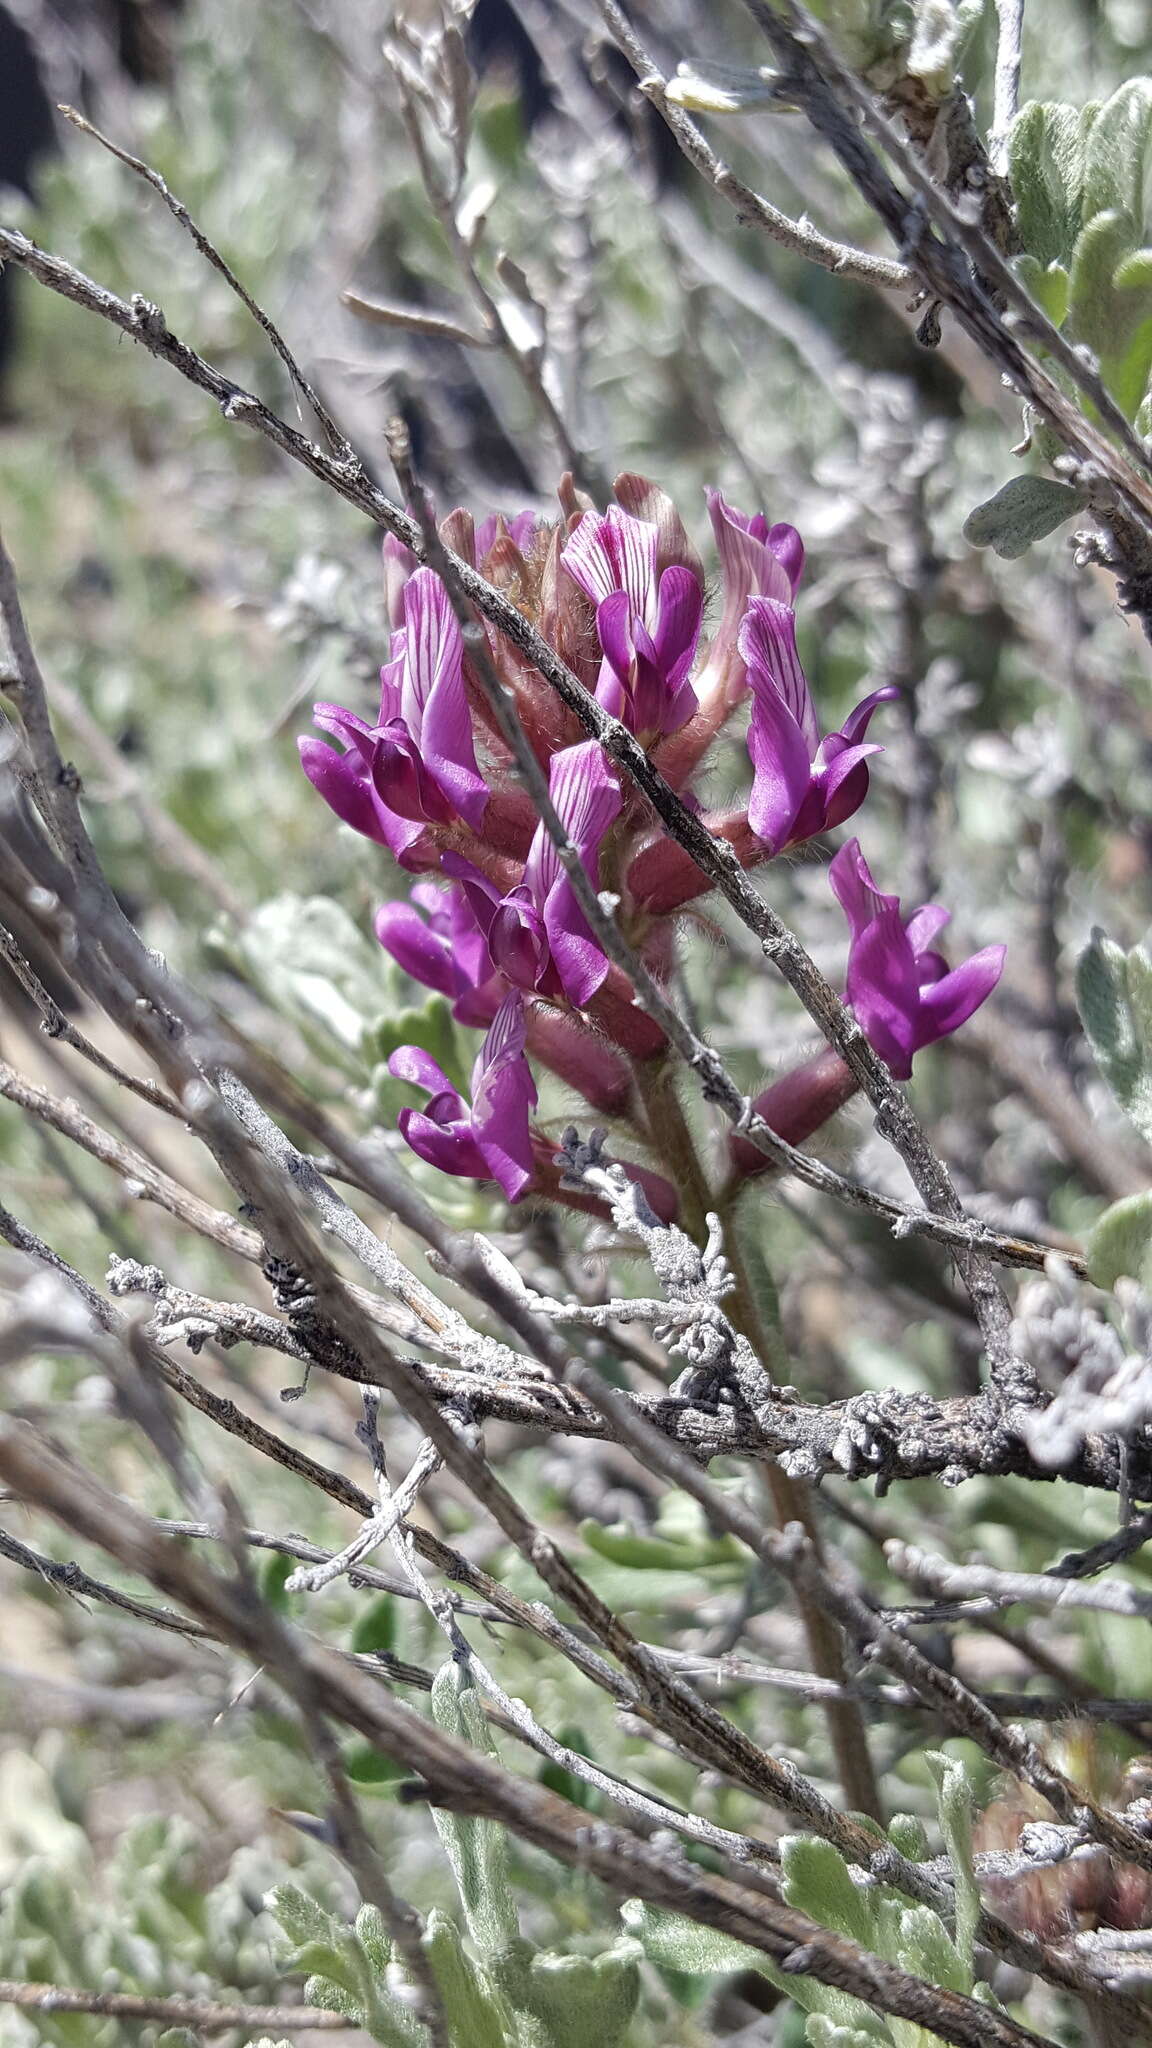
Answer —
(802, 783)
(648, 622)
(417, 766)
(536, 933)
(490, 1138)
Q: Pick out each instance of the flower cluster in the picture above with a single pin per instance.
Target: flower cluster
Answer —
(620, 596)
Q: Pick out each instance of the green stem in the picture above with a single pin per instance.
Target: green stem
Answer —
(675, 1148)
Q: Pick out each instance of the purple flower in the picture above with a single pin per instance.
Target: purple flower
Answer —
(757, 560)
(417, 766)
(444, 949)
(536, 934)
(490, 1141)
(802, 784)
(904, 996)
(648, 623)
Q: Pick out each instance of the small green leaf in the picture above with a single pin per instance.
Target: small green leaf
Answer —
(817, 1881)
(301, 1918)
(374, 1939)
(1114, 992)
(954, 1799)
(679, 1944)
(1116, 153)
(906, 1833)
(1023, 511)
(1121, 1242)
(476, 1849)
(1094, 307)
(621, 1543)
(577, 2000)
(375, 1626)
(430, 1027)
(367, 1765)
(1048, 285)
(1046, 164)
(926, 1949)
(473, 2012)
(276, 1569)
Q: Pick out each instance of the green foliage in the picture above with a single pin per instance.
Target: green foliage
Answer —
(1121, 1242)
(144, 1923)
(818, 1882)
(1114, 991)
(1023, 511)
(1081, 183)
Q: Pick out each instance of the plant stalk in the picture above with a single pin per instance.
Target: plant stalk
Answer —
(675, 1148)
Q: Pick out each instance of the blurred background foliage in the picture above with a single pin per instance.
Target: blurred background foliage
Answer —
(194, 594)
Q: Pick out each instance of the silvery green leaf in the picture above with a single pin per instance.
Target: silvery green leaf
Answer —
(476, 1849)
(471, 2008)
(1046, 165)
(1116, 153)
(954, 1800)
(1023, 511)
(1114, 992)
(1121, 1242)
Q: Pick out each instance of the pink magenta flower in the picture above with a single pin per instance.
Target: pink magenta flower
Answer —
(802, 783)
(536, 933)
(491, 1140)
(417, 766)
(648, 623)
(435, 938)
(756, 560)
(904, 995)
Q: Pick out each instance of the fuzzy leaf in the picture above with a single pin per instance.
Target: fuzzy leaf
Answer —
(1046, 164)
(302, 1918)
(817, 1881)
(476, 1849)
(578, 1999)
(471, 2009)
(1114, 992)
(1047, 284)
(927, 1949)
(906, 1833)
(678, 1944)
(1023, 511)
(1116, 153)
(1121, 1242)
(1093, 305)
(954, 1799)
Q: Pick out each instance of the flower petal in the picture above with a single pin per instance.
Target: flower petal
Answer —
(950, 1002)
(340, 782)
(846, 783)
(423, 953)
(767, 641)
(883, 990)
(452, 1148)
(782, 767)
(858, 720)
(854, 889)
(924, 924)
(412, 1063)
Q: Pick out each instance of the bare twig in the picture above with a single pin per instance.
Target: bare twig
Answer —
(336, 440)
(749, 205)
(198, 2014)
